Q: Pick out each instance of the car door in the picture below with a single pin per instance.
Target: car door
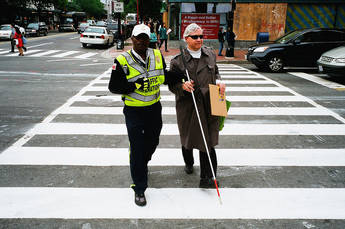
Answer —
(302, 49)
(329, 39)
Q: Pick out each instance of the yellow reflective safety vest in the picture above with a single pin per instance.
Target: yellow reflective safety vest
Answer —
(154, 73)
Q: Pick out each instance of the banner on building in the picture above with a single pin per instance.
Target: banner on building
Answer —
(208, 22)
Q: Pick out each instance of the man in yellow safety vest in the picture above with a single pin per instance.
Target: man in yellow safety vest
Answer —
(137, 74)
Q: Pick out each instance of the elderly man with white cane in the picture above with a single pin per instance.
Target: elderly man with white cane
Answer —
(198, 128)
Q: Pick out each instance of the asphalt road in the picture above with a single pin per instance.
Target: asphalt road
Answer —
(32, 87)
(281, 155)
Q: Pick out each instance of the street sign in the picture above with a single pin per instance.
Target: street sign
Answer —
(118, 7)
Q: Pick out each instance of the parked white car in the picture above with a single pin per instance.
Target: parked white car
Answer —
(5, 31)
(96, 35)
(332, 62)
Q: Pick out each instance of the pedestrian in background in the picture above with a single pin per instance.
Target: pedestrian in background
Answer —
(230, 39)
(13, 42)
(202, 68)
(221, 41)
(137, 74)
(18, 36)
(153, 38)
(163, 37)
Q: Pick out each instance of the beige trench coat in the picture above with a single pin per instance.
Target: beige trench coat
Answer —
(203, 72)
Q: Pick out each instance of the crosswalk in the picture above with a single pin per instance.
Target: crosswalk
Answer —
(272, 137)
(51, 53)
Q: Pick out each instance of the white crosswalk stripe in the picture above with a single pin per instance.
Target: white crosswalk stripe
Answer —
(46, 53)
(26, 53)
(51, 53)
(173, 202)
(86, 55)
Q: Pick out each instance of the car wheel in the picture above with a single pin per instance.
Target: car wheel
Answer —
(275, 64)
(84, 45)
(45, 33)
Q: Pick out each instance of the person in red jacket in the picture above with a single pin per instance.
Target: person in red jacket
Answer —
(18, 35)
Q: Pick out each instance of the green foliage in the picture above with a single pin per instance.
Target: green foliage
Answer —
(93, 8)
(73, 6)
(60, 4)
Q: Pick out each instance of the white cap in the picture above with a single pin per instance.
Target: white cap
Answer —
(141, 28)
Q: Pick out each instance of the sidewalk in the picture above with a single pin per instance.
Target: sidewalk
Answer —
(239, 54)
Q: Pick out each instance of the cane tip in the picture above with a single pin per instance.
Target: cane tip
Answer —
(220, 201)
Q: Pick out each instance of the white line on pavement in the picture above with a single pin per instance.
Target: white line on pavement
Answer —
(25, 53)
(182, 203)
(33, 46)
(285, 111)
(45, 53)
(47, 74)
(82, 65)
(65, 54)
(172, 129)
(228, 89)
(82, 156)
(318, 80)
(86, 55)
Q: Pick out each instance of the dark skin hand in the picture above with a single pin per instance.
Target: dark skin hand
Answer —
(140, 44)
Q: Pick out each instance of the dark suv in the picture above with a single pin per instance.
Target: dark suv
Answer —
(299, 48)
(36, 29)
(114, 28)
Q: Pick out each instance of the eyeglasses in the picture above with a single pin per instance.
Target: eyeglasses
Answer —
(195, 37)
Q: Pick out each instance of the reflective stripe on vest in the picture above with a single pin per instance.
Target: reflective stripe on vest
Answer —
(154, 73)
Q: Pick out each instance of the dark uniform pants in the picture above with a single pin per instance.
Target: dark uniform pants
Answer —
(144, 126)
(205, 168)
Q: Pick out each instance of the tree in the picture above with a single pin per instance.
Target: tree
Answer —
(60, 4)
(92, 7)
(73, 6)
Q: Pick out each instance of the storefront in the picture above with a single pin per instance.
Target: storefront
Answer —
(275, 17)
(210, 15)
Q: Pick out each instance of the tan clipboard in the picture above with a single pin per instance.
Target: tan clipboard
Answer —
(218, 102)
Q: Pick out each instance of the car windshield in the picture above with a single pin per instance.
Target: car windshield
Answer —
(112, 26)
(68, 21)
(33, 26)
(5, 28)
(100, 23)
(287, 37)
(84, 24)
(95, 30)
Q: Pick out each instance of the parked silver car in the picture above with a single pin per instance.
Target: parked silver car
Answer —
(332, 62)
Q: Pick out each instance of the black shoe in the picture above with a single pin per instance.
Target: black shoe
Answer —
(11, 51)
(207, 183)
(188, 169)
(220, 55)
(24, 49)
(166, 50)
(140, 199)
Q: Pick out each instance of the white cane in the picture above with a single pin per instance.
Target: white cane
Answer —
(202, 130)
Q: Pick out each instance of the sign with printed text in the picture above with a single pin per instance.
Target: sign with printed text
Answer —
(208, 22)
(118, 7)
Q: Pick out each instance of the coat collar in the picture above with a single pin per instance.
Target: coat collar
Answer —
(189, 57)
(203, 61)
